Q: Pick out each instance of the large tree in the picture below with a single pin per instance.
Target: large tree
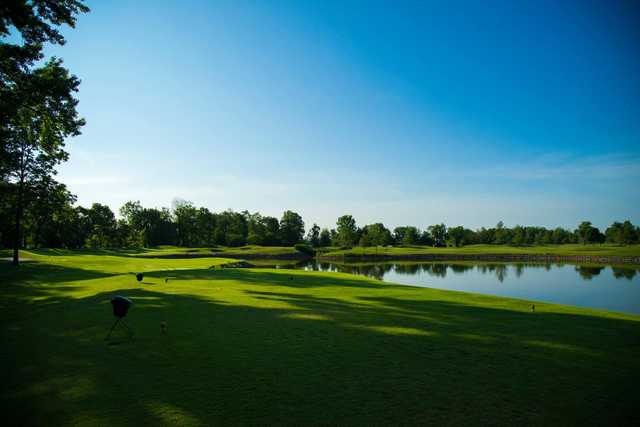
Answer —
(291, 228)
(325, 238)
(407, 235)
(313, 237)
(587, 233)
(347, 230)
(438, 233)
(377, 234)
(37, 104)
(186, 219)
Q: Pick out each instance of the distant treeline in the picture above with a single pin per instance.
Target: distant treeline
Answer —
(54, 222)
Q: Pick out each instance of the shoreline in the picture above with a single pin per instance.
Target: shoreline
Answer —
(598, 259)
(538, 258)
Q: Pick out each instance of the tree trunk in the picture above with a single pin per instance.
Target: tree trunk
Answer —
(16, 237)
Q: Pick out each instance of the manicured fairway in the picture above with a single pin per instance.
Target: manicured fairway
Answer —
(260, 346)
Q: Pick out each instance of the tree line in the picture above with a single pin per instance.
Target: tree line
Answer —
(53, 221)
(348, 234)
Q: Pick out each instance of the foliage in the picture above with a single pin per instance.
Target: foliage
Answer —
(588, 233)
(53, 222)
(313, 237)
(377, 234)
(37, 103)
(347, 232)
(622, 233)
(325, 238)
(438, 233)
(291, 228)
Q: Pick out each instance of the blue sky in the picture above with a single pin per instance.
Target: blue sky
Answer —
(400, 112)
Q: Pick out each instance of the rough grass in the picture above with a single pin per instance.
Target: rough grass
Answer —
(574, 249)
(253, 346)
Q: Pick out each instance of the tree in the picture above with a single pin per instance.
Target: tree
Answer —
(205, 227)
(49, 203)
(34, 137)
(38, 109)
(439, 234)
(426, 239)
(231, 228)
(291, 228)
(346, 231)
(560, 236)
(502, 234)
(272, 231)
(262, 230)
(407, 235)
(456, 236)
(313, 237)
(186, 219)
(587, 233)
(378, 234)
(102, 226)
(325, 238)
(622, 233)
(365, 241)
(334, 237)
(148, 227)
(256, 231)
(519, 236)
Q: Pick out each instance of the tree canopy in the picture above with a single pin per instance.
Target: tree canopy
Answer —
(37, 103)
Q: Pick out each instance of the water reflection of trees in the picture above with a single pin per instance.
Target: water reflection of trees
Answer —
(376, 271)
(440, 270)
(588, 272)
(436, 270)
(627, 273)
(500, 270)
(411, 269)
(460, 268)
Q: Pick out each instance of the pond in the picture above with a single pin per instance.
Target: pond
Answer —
(602, 287)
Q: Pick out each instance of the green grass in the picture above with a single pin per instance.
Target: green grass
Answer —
(604, 250)
(165, 251)
(574, 249)
(253, 346)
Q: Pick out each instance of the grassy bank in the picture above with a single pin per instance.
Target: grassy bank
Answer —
(250, 251)
(295, 347)
(604, 250)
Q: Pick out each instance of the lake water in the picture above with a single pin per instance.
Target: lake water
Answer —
(608, 288)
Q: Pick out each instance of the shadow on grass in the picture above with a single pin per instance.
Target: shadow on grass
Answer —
(274, 357)
(143, 253)
(35, 272)
(289, 278)
(89, 251)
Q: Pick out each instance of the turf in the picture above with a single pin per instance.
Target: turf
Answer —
(167, 251)
(262, 346)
